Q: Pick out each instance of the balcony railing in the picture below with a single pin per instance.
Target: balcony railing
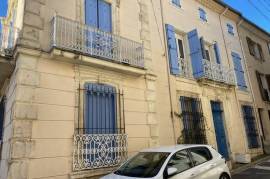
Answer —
(99, 150)
(8, 39)
(219, 73)
(73, 36)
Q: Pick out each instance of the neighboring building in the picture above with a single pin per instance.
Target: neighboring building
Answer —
(257, 52)
(209, 82)
(84, 86)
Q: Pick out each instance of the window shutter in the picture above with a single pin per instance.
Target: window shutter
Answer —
(100, 113)
(104, 16)
(91, 7)
(250, 46)
(176, 2)
(230, 29)
(202, 14)
(195, 53)
(260, 51)
(203, 48)
(239, 72)
(172, 50)
(181, 49)
(268, 81)
(258, 75)
(217, 53)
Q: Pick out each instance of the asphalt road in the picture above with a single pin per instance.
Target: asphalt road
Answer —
(259, 171)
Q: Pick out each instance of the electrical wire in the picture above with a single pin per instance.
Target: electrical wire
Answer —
(259, 10)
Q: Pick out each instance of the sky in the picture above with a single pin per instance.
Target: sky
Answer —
(257, 11)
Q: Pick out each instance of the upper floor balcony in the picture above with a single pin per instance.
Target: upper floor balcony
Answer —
(80, 38)
(217, 72)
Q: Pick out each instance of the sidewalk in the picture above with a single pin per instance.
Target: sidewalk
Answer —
(237, 168)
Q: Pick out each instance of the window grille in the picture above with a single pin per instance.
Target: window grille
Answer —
(193, 121)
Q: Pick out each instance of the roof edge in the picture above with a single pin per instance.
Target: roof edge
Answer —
(241, 15)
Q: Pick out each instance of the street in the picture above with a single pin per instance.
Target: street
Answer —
(259, 171)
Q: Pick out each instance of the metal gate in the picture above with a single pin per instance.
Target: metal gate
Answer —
(193, 121)
(217, 113)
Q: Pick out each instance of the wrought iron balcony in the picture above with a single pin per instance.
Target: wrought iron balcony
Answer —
(218, 73)
(93, 151)
(73, 36)
(8, 39)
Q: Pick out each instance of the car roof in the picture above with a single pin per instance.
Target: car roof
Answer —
(172, 148)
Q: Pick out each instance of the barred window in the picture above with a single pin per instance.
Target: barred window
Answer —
(193, 121)
(250, 126)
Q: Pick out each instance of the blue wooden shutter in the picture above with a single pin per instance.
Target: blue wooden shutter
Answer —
(91, 18)
(104, 16)
(230, 29)
(195, 54)
(202, 14)
(172, 50)
(217, 53)
(239, 72)
(100, 112)
(176, 2)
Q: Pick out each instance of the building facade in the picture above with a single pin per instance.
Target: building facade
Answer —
(256, 46)
(87, 83)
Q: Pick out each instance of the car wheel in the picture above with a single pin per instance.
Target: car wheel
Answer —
(224, 176)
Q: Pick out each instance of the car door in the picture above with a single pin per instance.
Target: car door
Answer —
(182, 162)
(204, 165)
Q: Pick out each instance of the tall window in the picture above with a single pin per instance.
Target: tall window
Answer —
(103, 113)
(255, 49)
(182, 61)
(250, 126)
(193, 121)
(202, 14)
(98, 14)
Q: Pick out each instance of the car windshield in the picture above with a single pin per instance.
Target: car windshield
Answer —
(143, 165)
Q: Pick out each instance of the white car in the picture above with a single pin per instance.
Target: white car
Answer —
(174, 162)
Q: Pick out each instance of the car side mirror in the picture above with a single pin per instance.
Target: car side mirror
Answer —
(171, 171)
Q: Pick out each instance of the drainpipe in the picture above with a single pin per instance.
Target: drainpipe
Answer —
(235, 90)
(249, 81)
(168, 71)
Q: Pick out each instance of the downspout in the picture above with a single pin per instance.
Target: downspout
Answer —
(249, 81)
(235, 90)
(168, 71)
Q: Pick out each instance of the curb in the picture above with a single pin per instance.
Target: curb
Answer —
(242, 168)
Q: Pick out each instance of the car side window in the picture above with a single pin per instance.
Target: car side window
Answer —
(200, 155)
(181, 161)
